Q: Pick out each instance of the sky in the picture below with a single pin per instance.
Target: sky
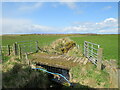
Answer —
(59, 17)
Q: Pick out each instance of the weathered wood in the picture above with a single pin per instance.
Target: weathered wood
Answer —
(20, 53)
(52, 65)
(99, 58)
(37, 48)
(118, 78)
(15, 49)
(26, 56)
(8, 49)
(27, 60)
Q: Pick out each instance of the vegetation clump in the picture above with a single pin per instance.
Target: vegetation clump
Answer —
(20, 75)
(61, 46)
(89, 75)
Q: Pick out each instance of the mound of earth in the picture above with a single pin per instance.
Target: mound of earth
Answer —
(63, 46)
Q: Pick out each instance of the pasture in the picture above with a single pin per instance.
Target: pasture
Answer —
(83, 72)
(108, 42)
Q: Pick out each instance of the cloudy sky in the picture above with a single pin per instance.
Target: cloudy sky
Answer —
(59, 17)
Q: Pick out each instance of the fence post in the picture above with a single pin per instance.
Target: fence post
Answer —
(27, 60)
(99, 58)
(8, 49)
(20, 53)
(36, 46)
(15, 48)
(118, 78)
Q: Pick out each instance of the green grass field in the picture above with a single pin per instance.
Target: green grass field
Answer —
(108, 42)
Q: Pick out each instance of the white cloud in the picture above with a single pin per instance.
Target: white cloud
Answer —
(12, 26)
(114, 30)
(42, 28)
(31, 7)
(109, 20)
(71, 5)
(108, 25)
(107, 7)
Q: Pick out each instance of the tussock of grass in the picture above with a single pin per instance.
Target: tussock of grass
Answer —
(16, 74)
(90, 76)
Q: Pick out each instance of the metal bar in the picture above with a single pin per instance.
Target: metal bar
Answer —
(3, 46)
(94, 52)
(93, 55)
(91, 51)
(90, 47)
(26, 41)
(91, 43)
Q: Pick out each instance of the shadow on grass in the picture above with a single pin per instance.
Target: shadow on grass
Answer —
(19, 77)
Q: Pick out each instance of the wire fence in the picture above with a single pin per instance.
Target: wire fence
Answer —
(19, 48)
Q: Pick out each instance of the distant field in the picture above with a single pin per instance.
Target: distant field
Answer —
(108, 42)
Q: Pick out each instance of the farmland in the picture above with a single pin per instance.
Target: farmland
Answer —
(56, 54)
(108, 42)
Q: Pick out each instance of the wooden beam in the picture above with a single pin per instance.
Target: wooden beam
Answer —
(99, 58)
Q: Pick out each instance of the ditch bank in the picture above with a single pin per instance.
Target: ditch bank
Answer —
(55, 74)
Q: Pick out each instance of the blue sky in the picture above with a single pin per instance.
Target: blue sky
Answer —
(59, 17)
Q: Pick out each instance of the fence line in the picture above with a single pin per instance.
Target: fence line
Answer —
(6, 50)
(19, 48)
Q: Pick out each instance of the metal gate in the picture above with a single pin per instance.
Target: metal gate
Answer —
(91, 51)
(24, 47)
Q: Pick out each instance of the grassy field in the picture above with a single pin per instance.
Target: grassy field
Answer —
(82, 74)
(108, 42)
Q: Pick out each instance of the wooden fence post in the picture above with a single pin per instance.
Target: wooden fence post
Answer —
(8, 49)
(27, 60)
(20, 53)
(99, 58)
(15, 49)
(118, 78)
(36, 46)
